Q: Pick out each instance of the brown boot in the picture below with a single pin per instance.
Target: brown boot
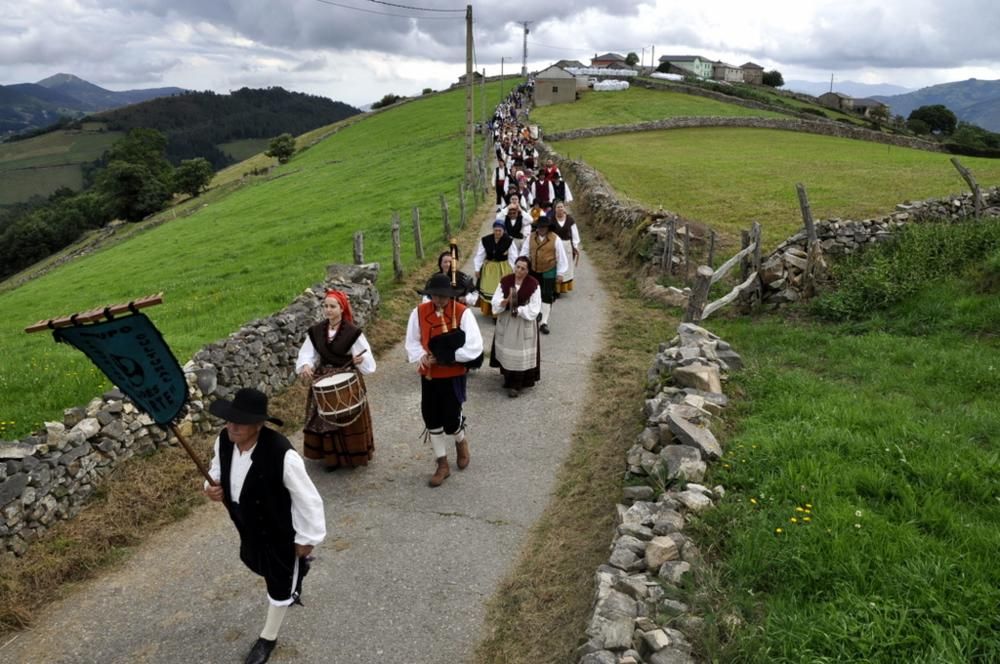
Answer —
(441, 473)
(463, 454)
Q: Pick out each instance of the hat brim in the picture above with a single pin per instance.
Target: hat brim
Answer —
(443, 292)
(227, 411)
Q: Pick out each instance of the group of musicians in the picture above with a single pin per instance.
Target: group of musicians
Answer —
(521, 267)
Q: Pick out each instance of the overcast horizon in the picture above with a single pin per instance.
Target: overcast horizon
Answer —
(356, 51)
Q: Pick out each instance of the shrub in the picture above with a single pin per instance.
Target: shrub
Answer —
(889, 272)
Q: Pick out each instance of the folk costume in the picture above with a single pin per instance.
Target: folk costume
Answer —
(516, 344)
(494, 259)
(433, 341)
(464, 284)
(329, 351)
(561, 190)
(548, 260)
(568, 233)
(501, 175)
(515, 223)
(271, 501)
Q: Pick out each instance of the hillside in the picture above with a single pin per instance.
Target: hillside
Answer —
(30, 106)
(974, 101)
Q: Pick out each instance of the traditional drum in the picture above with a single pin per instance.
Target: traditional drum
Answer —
(340, 398)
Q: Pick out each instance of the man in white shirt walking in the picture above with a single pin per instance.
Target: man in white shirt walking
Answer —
(274, 505)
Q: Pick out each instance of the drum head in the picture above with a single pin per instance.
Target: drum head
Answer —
(335, 379)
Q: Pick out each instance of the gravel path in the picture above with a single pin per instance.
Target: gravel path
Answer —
(406, 570)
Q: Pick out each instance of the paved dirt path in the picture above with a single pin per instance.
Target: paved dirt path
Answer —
(406, 570)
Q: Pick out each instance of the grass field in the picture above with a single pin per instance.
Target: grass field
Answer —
(863, 484)
(599, 109)
(727, 177)
(38, 166)
(245, 255)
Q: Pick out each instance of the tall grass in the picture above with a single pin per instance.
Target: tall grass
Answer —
(246, 255)
(863, 482)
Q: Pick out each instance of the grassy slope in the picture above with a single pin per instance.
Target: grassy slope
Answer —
(728, 178)
(598, 109)
(245, 255)
(40, 165)
(883, 433)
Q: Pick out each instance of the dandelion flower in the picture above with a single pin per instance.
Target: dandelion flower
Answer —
(857, 513)
(799, 509)
(794, 520)
(806, 519)
(778, 530)
(809, 506)
(753, 501)
(857, 525)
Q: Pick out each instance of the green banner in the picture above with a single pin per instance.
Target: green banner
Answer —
(133, 355)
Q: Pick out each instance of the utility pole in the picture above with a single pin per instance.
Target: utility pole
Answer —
(642, 60)
(524, 61)
(501, 78)
(831, 82)
(652, 56)
(468, 95)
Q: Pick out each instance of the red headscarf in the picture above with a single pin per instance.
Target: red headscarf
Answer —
(345, 303)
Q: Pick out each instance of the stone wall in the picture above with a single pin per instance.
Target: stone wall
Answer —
(781, 271)
(838, 129)
(49, 475)
(650, 556)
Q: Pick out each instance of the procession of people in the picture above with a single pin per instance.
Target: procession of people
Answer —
(520, 268)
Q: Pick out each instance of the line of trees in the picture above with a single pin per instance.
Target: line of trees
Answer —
(136, 181)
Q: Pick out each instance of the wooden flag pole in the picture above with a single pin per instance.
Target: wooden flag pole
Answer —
(95, 314)
(194, 457)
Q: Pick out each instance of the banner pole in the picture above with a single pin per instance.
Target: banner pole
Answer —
(198, 462)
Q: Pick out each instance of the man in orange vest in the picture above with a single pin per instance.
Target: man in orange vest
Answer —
(440, 336)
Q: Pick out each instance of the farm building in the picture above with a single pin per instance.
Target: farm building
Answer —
(723, 71)
(554, 85)
(837, 101)
(607, 60)
(753, 73)
(691, 65)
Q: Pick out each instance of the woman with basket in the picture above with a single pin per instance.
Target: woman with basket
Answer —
(333, 358)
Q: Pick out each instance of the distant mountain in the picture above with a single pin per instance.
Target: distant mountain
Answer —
(28, 106)
(852, 88)
(974, 101)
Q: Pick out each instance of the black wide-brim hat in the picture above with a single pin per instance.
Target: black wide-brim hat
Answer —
(544, 221)
(249, 406)
(440, 284)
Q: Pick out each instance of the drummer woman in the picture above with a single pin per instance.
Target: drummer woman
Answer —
(494, 260)
(565, 228)
(334, 346)
(516, 350)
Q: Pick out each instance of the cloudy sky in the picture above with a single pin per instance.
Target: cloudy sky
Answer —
(358, 50)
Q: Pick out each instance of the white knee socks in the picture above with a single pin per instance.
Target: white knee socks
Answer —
(546, 308)
(275, 616)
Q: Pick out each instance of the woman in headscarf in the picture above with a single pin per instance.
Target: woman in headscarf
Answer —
(516, 349)
(336, 346)
(494, 260)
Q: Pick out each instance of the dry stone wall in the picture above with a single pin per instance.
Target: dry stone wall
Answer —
(49, 475)
(650, 558)
(837, 129)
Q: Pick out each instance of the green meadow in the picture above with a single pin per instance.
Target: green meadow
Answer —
(600, 109)
(862, 472)
(728, 178)
(245, 255)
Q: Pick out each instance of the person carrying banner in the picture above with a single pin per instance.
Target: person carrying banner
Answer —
(274, 505)
(441, 334)
(335, 346)
(548, 264)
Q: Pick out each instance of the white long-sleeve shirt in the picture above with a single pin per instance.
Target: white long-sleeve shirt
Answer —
(309, 357)
(480, 257)
(472, 349)
(574, 231)
(308, 519)
(528, 311)
(562, 263)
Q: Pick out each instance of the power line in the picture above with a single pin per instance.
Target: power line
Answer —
(369, 11)
(419, 9)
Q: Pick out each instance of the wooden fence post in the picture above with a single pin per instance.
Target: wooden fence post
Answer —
(418, 239)
(687, 253)
(807, 216)
(397, 260)
(444, 217)
(359, 247)
(668, 249)
(699, 294)
(755, 237)
(461, 205)
(977, 194)
(711, 249)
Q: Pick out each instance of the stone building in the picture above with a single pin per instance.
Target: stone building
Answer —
(554, 85)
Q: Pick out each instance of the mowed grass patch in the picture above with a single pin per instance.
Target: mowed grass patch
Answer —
(599, 109)
(246, 255)
(540, 611)
(862, 486)
(728, 178)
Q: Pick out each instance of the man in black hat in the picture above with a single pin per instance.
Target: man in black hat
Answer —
(276, 508)
(548, 264)
(440, 336)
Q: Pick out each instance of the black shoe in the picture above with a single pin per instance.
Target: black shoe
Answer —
(544, 328)
(260, 652)
(512, 393)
